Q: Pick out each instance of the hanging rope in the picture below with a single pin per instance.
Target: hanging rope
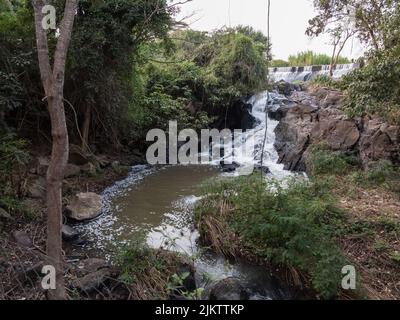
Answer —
(267, 103)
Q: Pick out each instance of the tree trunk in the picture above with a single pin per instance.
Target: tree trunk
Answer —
(55, 175)
(53, 83)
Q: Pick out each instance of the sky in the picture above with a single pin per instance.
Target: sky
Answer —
(289, 20)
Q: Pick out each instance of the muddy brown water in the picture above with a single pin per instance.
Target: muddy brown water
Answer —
(159, 204)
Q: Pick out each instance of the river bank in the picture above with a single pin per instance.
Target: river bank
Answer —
(349, 205)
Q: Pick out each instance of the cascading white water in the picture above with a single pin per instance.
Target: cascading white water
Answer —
(247, 147)
(291, 74)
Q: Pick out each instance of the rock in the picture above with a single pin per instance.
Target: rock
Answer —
(293, 136)
(279, 113)
(69, 233)
(88, 168)
(37, 188)
(22, 239)
(238, 116)
(226, 167)
(4, 215)
(379, 141)
(91, 265)
(189, 283)
(92, 281)
(85, 206)
(337, 134)
(286, 88)
(72, 170)
(229, 289)
(263, 169)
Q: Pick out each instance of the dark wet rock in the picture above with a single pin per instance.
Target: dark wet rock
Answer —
(286, 88)
(22, 239)
(69, 233)
(229, 289)
(229, 167)
(263, 169)
(293, 136)
(85, 206)
(237, 116)
(189, 283)
(279, 112)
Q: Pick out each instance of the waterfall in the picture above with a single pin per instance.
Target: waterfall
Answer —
(247, 148)
(291, 74)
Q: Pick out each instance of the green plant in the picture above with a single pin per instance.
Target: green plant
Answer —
(13, 160)
(324, 161)
(293, 226)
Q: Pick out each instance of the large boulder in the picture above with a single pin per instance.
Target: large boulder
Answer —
(85, 206)
(337, 134)
(229, 289)
(379, 141)
(293, 136)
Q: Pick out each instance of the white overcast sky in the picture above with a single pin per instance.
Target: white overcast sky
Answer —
(289, 20)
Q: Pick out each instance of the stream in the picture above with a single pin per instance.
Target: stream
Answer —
(158, 202)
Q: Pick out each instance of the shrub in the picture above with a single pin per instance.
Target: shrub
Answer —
(375, 88)
(293, 226)
(324, 161)
(13, 160)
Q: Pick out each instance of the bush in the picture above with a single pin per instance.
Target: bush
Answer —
(375, 89)
(293, 226)
(13, 160)
(380, 173)
(324, 161)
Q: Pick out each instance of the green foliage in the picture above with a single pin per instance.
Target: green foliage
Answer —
(323, 80)
(324, 161)
(294, 226)
(135, 259)
(375, 88)
(378, 174)
(13, 160)
(310, 58)
(279, 63)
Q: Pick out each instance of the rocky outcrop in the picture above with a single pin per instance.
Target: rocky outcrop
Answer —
(237, 116)
(85, 206)
(379, 141)
(317, 118)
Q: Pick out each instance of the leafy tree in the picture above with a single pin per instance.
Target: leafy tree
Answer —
(367, 18)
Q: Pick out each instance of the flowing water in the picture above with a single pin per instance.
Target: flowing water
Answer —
(159, 203)
(291, 74)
